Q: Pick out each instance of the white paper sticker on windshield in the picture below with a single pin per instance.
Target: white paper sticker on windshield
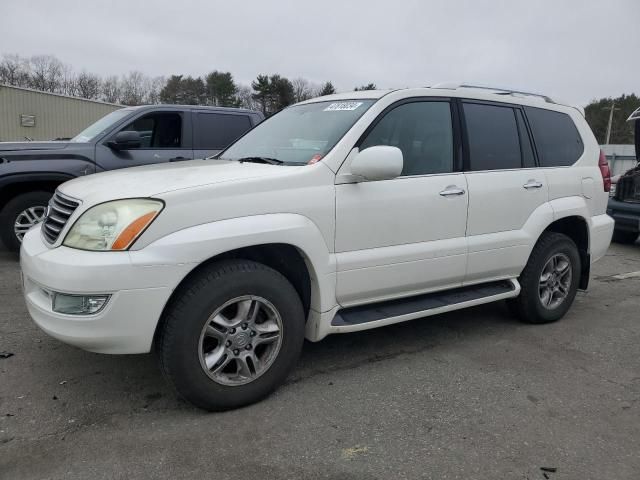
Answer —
(342, 106)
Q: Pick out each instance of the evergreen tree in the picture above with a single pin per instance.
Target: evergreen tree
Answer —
(327, 89)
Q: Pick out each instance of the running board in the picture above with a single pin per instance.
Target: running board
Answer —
(400, 310)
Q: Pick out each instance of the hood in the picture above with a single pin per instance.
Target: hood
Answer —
(26, 146)
(151, 180)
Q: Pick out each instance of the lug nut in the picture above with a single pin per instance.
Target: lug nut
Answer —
(248, 347)
(244, 326)
(228, 344)
(253, 334)
(236, 351)
(233, 330)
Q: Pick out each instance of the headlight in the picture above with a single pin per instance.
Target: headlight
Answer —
(113, 225)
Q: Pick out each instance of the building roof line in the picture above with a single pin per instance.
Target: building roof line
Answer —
(26, 89)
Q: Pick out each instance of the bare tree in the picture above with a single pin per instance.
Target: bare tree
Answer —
(46, 73)
(111, 89)
(14, 70)
(244, 97)
(133, 89)
(303, 89)
(68, 84)
(154, 87)
(88, 85)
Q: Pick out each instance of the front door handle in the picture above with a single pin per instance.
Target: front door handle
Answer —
(451, 191)
(177, 159)
(532, 184)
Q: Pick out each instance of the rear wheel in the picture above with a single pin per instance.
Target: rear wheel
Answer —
(622, 236)
(20, 214)
(549, 281)
(231, 335)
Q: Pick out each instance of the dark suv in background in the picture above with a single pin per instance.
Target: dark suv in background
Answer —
(30, 171)
(624, 207)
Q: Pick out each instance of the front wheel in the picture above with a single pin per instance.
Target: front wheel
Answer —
(231, 334)
(549, 281)
(20, 214)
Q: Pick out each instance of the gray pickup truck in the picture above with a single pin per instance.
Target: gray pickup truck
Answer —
(624, 207)
(30, 171)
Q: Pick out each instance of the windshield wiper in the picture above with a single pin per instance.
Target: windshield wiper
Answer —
(270, 161)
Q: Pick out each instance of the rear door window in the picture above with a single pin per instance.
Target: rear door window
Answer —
(556, 137)
(215, 131)
(493, 137)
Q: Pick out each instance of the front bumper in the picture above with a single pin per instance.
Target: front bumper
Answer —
(128, 321)
(625, 214)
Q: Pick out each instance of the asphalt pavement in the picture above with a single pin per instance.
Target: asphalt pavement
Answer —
(473, 394)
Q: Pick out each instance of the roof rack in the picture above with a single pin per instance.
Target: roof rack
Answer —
(497, 90)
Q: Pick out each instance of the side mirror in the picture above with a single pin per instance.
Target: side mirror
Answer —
(125, 140)
(378, 163)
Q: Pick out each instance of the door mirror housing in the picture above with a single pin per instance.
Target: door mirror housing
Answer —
(125, 140)
(377, 163)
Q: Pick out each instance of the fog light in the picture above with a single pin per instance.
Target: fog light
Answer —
(77, 304)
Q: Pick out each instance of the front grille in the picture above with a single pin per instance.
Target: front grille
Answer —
(60, 209)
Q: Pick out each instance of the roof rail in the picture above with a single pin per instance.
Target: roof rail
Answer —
(497, 90)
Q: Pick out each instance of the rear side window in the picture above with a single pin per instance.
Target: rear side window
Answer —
(556, 137)
(216, 131)
(493, 137)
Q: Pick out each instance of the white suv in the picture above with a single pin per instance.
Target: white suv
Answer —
(338, 214)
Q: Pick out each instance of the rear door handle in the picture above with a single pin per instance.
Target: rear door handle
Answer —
(532, 184)
(451, 191)
(177, 159)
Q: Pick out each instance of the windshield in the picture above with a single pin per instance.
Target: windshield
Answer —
(299, 134)
(99, 127)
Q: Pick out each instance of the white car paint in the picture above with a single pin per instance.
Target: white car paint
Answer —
(362, 242)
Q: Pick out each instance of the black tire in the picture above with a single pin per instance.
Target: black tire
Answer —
(622, 236)
(10, 213)
(528, 305)
(178, 342)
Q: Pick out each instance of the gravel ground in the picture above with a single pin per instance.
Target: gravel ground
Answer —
(467, 395)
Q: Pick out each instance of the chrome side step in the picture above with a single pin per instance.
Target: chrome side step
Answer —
(393, 311)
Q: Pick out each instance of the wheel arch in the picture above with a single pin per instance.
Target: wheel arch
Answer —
(576, 228)
(14, 185)
(292, 244)
(285, 258)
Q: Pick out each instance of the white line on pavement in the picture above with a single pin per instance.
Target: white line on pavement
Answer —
(624, 276)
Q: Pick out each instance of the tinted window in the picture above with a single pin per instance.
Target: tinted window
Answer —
(493, 137)
(528, 160)
(158, 130)
(217, 130)
(423, 131)
(557, 139)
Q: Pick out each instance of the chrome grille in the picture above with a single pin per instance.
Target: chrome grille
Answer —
(60, 209)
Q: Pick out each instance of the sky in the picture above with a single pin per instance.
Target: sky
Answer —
(575, 50)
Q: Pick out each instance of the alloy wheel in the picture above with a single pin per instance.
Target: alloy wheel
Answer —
(26, 219)
(555, 281)
(240, 340)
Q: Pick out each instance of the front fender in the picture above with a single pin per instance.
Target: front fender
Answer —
(195, 245)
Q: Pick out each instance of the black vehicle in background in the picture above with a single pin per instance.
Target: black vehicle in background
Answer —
(624, 207)
(30, 171)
